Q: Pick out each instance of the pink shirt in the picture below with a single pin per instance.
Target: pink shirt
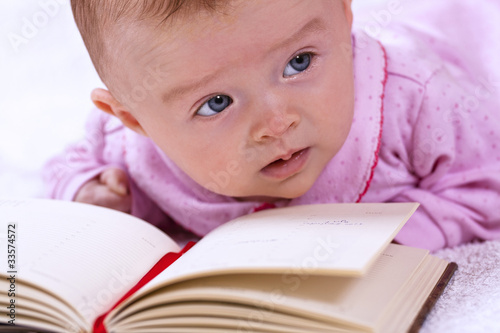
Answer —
(426, 128)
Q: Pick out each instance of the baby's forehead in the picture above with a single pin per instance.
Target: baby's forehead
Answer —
(159, 12)
(153, 23)
(103, 22)
(183, 50)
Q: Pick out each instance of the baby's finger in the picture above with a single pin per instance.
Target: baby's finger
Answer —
(112, 200)
(96, 193)
(116, 180)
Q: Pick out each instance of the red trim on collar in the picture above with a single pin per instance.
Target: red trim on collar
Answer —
(265, 205)
(372, 171)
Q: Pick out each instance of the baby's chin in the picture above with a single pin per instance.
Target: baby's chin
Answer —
(260, 198)
(288, 195)
(258, 191)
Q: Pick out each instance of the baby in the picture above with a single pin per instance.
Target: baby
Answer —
(215, 109)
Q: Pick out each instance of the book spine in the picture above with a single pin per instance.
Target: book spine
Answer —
(433, 297)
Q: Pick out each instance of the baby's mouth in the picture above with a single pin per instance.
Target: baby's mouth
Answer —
(287, 165)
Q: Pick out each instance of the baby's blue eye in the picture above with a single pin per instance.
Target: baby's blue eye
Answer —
(214, 105)
(297, 64)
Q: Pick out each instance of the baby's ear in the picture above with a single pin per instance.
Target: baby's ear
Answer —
(348, 11)
(103, 99)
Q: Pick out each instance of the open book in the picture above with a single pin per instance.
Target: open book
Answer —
(71, 267)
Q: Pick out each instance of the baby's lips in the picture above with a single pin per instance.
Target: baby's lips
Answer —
(284, 168)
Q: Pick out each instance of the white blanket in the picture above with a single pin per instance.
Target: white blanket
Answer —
(45, 81)
(471, 302)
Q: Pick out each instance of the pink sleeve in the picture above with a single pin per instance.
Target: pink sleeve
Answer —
(81, 161)
(453, 155)
(102, 148)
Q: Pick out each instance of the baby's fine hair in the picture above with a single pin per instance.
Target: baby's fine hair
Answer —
(99, 21)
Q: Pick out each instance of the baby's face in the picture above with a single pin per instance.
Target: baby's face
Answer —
(251, 103)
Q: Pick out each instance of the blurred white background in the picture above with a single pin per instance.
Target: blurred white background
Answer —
(45, 81)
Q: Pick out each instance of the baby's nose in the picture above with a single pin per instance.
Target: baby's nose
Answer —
(275, 124)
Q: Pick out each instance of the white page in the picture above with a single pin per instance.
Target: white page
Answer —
(358, 301)
(340, 239)
(88, 255)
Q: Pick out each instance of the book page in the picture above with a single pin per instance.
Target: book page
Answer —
(351, 301)
(323, 239)
(89, 256)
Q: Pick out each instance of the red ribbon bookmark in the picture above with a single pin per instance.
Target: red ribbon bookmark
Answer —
(159, 267)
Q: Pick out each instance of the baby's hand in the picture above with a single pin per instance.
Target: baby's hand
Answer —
(109, 189)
